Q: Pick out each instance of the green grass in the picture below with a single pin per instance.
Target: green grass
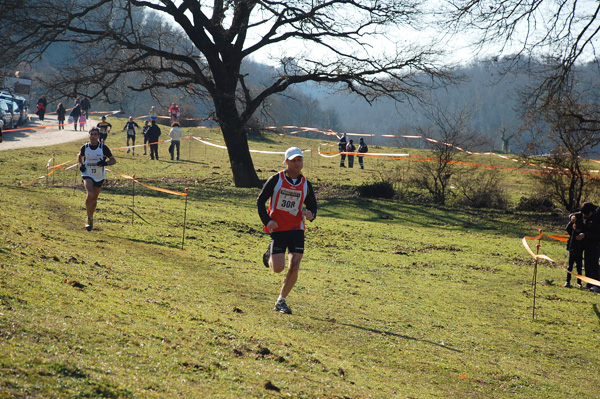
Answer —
(393, 300)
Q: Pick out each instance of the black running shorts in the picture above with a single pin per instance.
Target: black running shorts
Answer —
(292, 240)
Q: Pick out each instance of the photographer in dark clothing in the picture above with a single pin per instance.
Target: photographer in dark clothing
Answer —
(575, 248)
(590, 237)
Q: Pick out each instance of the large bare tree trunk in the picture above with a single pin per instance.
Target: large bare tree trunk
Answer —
(240, 159)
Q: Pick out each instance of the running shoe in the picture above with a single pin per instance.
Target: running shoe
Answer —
(266, 257)
(282, 307)
(90, 224)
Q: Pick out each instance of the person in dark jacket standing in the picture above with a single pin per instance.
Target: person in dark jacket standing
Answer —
(153, 135)
(350, 148)
(591, 242)
(85, 106)
(287, 192)
(61, 112)
(342, 148)
(75, 114)
(362, 148)
(575, 247)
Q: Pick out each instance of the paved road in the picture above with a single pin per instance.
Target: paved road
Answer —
(34, 134)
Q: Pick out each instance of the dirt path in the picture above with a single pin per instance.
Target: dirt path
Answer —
(35, 134)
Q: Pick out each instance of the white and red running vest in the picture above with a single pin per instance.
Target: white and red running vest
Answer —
(285, 205)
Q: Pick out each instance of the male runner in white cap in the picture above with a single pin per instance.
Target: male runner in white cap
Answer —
(287, 191)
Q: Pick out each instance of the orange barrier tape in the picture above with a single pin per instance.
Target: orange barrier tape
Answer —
(363, 154)
(332, 133)
(51, 169)
(163, 190)
(55, 168)
(560, 237)
(179, 119)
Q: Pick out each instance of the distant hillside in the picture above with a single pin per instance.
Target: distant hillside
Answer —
(492, 97)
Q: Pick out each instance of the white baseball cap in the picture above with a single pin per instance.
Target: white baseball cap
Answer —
(292, 153)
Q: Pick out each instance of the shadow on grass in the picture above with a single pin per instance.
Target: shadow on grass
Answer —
(155, 242)
(392, 334)
(262, 139)
(385, 211)
(597, 312)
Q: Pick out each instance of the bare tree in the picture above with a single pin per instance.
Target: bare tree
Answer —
(446, 136)
(202, 47)
(559, 32)
(506, 138)
(562, 129)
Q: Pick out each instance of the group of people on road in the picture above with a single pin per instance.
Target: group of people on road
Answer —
(584, 245)
(345, 146)
(78, 116)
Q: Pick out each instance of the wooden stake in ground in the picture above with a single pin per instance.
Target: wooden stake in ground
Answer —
(537, 246)
(187, 191)
(132, 198)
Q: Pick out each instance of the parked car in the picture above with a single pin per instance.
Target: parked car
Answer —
(6, 114)
(24, 107)
(17, 106)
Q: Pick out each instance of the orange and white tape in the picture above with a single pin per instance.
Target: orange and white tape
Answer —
(560, 237)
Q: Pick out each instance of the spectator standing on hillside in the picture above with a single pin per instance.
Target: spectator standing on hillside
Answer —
(153, 135)
(153, 114)
(575, 247)
(145, 133)
(75, 114)
(175, 134)
(342, 148)
(61, 113)
(362, 149)
(86, 106)
(287, 192)
(350, 148)
(104, 127)
(92, 159)
(41, 107)
(130, 128)
(174, 113)
(591, 242)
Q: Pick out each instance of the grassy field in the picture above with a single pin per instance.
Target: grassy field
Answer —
(393, 300)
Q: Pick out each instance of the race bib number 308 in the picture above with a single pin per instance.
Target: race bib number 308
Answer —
(289, 201)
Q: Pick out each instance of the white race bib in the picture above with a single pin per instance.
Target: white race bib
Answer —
(289, 200)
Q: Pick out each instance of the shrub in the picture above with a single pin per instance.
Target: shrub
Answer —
(482, 189)
(540, 203)
(381, 189)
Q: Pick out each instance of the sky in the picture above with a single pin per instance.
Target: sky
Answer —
(458, 48)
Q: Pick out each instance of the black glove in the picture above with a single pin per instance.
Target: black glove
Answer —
(82, 167)
(102, 163)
